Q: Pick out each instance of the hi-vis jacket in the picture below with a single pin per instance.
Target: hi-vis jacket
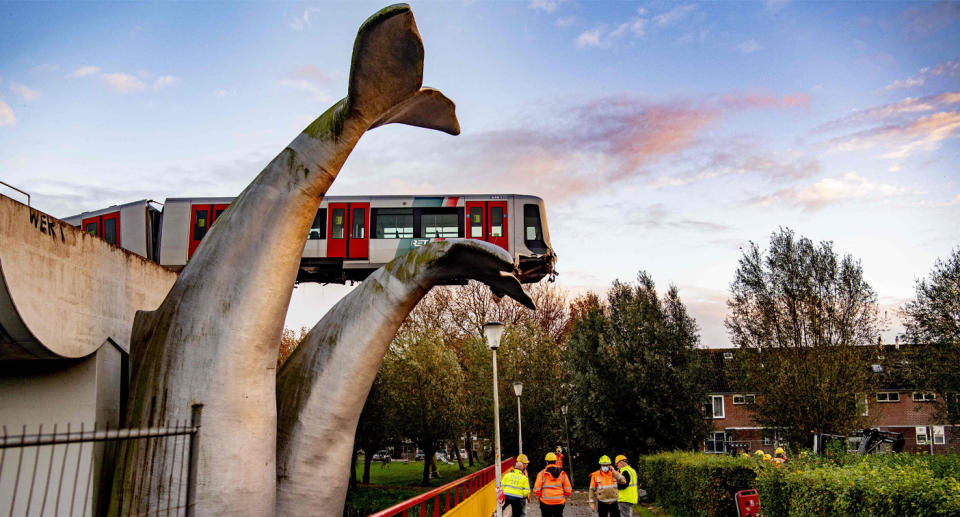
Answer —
(603, 486)
(552, 486)
(628, 492)
(515, 484)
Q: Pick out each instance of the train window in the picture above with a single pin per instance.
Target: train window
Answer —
(393, 223)
(110, 230)
(496, 221)
(318, 230)
(357, 224)
(437, 223)
(216, 214)
(476, 222)
(200, 224)
(338, 223)
(91, 228)
(532, 229)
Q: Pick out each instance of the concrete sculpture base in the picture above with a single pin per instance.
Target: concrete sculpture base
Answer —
(322, 387)
(215, 337)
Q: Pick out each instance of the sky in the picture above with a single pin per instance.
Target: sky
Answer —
(662, 136)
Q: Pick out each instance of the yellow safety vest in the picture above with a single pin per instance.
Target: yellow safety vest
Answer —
(629, 494)
(516, 484)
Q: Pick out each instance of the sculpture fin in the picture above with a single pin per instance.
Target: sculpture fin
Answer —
(387, 64)
(428, 108)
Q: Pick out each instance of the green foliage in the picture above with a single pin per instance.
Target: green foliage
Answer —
(932, 321)
(638, 384)
(694, 484)
(807, 486)
(803, 317)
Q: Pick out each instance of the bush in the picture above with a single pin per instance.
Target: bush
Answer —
(896, 484)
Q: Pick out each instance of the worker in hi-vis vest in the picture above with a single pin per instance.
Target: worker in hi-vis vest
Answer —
(603, 491)
(628, 491)
(516, 487)
(552, 488)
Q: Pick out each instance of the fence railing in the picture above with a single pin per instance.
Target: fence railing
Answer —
(38, 477)
(446, 496)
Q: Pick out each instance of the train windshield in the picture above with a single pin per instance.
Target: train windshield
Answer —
(318, 230)
(533, 229)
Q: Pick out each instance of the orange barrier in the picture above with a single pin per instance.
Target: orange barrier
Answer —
(473, 492)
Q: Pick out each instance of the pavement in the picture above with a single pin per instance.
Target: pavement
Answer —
(576, 506)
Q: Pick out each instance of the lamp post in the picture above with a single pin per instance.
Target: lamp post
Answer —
(492, 331)
(518, 388)
(566, 431)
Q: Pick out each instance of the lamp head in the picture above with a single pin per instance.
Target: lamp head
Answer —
(492, 331)
(518, 387)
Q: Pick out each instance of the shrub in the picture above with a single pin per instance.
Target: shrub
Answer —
(696, 484)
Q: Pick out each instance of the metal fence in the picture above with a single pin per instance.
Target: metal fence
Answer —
(71, 472)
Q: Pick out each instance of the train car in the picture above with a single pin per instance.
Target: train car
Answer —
(351, 236)
(133, 226)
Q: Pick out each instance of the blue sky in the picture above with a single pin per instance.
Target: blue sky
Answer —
(663, 136)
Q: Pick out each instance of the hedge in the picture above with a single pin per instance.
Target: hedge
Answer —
(689, 484)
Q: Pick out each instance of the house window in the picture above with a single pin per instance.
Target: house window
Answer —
(939, 438)
(728, 355)
(714, 406)
(921, 435)
(767, 440)
(924, 396)
(715, 443)
(749, 398)
(888, 396)
(862, 408)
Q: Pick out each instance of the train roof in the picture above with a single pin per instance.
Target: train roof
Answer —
(111, 208)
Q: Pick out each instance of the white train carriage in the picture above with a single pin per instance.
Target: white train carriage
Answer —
(133, 226)
(351, 236)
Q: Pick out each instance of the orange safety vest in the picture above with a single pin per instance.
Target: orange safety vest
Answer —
(601, 480)
(551, 490)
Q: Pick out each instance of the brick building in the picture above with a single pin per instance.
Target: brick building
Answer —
(895, 408)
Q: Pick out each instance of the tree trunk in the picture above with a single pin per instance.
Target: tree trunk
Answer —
(429, 461)
(367, 460)
(470, 448)
(456, 450)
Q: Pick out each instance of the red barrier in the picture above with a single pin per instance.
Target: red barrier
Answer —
(461, 489)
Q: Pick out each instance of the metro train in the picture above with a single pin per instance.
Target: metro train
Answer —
(351, 236)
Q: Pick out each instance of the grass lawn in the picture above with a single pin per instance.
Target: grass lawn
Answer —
(397, 482)
(649, 510)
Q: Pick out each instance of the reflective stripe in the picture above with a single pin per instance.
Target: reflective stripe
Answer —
(552, 497)
(606, 486)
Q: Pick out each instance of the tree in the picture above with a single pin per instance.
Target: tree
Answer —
(932, 321)
(637, 380)
(289, 341)
(804, 319)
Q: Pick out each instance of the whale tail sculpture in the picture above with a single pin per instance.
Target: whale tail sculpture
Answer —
(214, 339)
(322, 387)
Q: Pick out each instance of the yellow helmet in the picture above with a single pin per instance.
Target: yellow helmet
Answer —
(522, 459)
(779, 450)
(551, 457)
(604, 460)
(619, 458)
(766, 457)
(759, 452)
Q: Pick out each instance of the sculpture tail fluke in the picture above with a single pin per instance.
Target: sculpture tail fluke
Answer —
(387, 64)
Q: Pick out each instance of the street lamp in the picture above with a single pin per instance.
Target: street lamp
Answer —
(563, 409)
(492, 331)
(518, 388)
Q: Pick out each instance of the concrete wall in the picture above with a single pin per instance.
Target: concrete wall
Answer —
(64, 293)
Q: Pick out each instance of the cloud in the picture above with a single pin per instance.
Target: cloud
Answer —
(947, 68)
(749, 46)
(658, 217)
(46, 67)
(311, 80)
(164, 81)
(827, 191)
(6, 115)
(603, 37)
(565, 22)
(303, 21)
(775, 5)
(734, 160)
(905, 138)
(25, 93)
(673, 15)
(84, 71)
(930, 19)
(123, 83)
(547, 6)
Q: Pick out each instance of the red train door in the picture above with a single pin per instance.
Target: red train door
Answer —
(358, 244)
(200, 220)
(497, 224)
(217, 210)
(91, 225)
(476, 220)
(110, 227)
(337, 224)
